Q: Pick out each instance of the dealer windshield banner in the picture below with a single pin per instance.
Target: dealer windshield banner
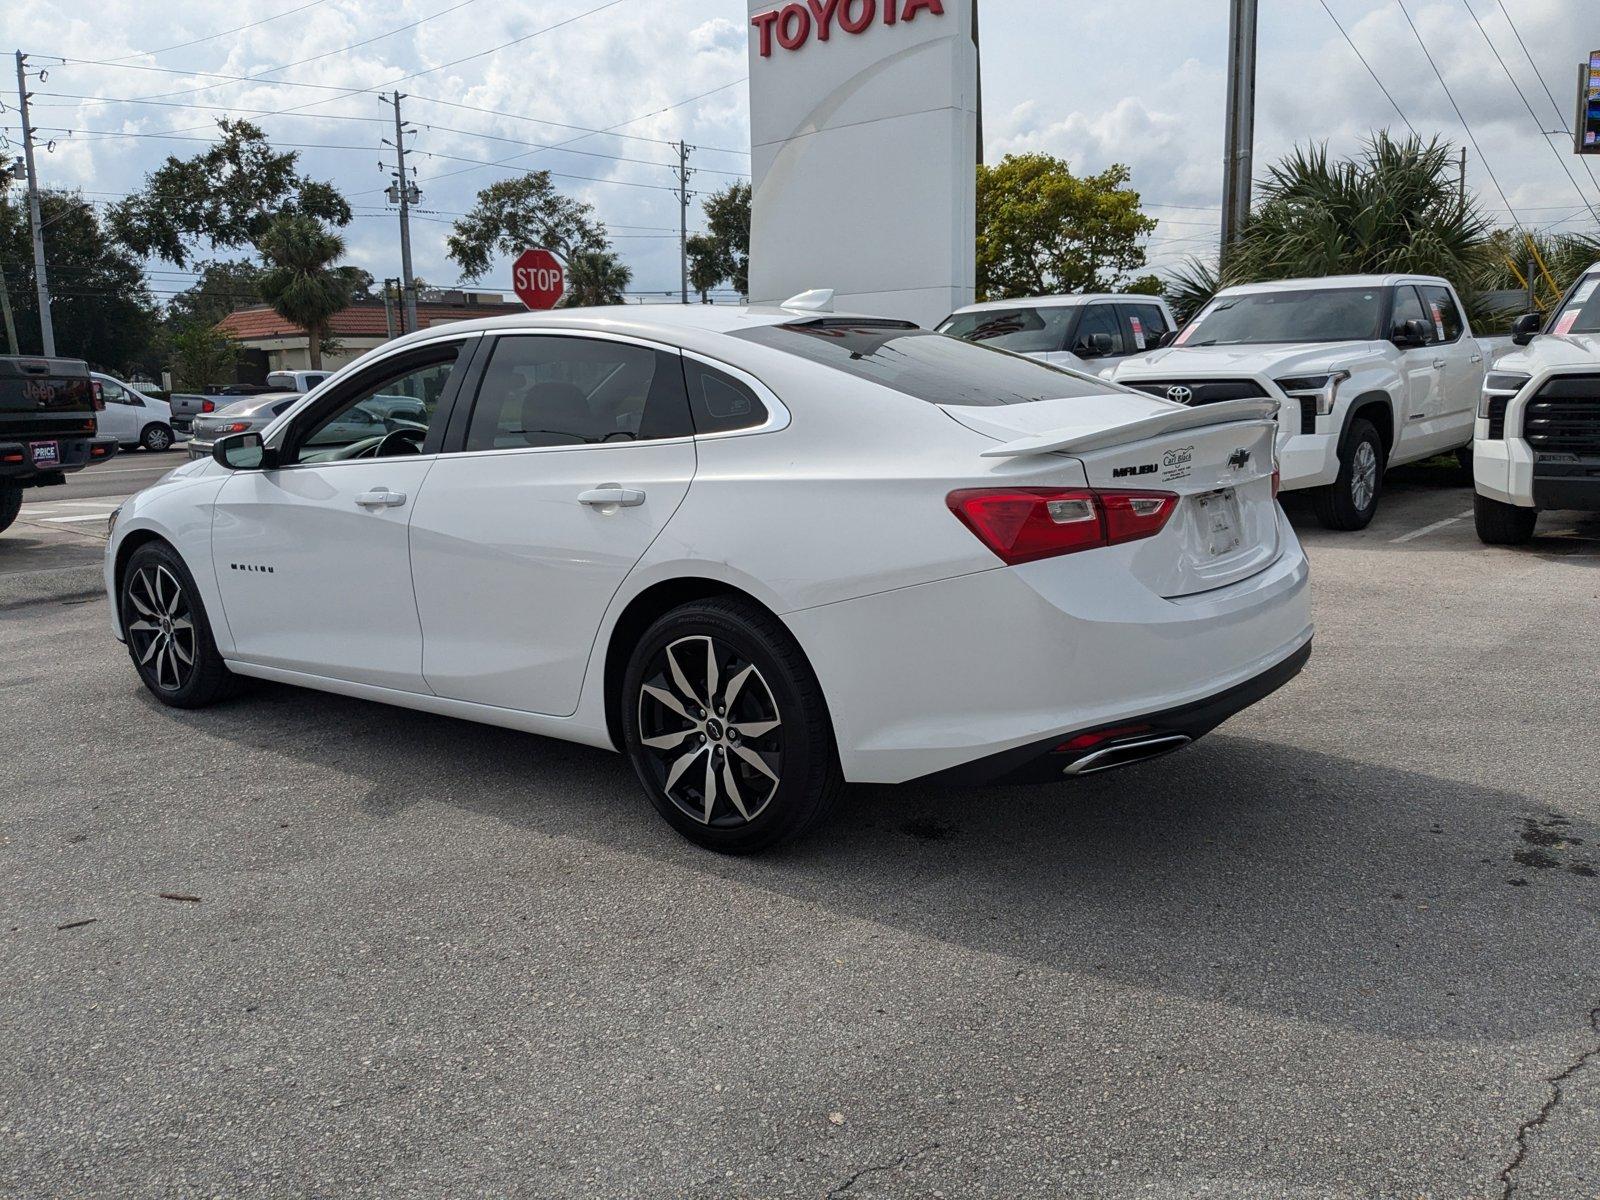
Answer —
(864, 129)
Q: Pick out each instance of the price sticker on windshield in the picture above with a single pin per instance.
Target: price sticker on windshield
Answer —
(1138, 331)
(1438, 321)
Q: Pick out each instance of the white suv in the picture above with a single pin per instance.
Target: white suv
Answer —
(1091, 332)
(1537, 443)
(1369, 371)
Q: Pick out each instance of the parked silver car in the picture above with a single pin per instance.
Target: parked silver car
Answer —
(242, 416)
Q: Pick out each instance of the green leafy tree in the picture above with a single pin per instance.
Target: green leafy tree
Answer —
(1042, 229)
(513, 215)
(302, 281)
(708, 265)
(223, 286)
(226, 196)
(728, 226)
(199, 354)
(1393, 207)
(1557, 260)
(595, 277)
(101, 306)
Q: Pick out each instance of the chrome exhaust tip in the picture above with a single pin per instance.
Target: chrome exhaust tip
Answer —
(1127, 753)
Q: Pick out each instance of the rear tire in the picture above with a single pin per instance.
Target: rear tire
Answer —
(156, 438)
(169, 637)
(1350, 502)
(1502, 524)
(727, 728)
(10, 505)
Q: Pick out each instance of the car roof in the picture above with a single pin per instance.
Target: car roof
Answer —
(1065, 300)
(1330, 282)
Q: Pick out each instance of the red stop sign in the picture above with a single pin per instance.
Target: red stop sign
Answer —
(538, 279)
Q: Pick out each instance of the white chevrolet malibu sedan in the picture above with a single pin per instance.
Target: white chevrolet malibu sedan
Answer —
(761, 552)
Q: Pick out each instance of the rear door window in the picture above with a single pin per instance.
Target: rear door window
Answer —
(1144, 324)
(925, 364)
(1443, 315)
(1022, 330)
(573, 391)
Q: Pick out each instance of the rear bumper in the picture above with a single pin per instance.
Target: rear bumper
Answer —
(925, 679)
(17, 465)
(1131, 740)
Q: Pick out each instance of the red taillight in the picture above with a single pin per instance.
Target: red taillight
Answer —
(208, 406)
(99, 397)
(1024, 524)
(1088, 741)
(235, 427)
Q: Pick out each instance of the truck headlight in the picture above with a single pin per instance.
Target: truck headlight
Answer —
(1324, 389)
(1500, 385)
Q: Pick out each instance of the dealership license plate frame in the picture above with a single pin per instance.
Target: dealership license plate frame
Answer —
(45, 454)
(1221, 522)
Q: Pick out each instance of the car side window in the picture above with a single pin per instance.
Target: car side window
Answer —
(1100, 333)
(385, 412)
(1145, 324)
(719, 402)
(1408, 307)
(1443, 315)
(544, 390)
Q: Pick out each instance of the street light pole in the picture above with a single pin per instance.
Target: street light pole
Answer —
(1240, 142)
(41, 281)
(683, 219)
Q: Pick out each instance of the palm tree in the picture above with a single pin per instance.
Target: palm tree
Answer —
(596, 277)
(301, 281)
(1396, 206)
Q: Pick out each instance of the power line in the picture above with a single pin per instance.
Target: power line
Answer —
(1416, 33)
(1538, 74)
(211, 37)
(1368, 66)
(1538, 125)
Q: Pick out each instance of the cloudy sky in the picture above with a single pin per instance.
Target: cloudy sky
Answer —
(1095, 81)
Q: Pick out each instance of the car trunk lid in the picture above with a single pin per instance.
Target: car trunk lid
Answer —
(1218, 460)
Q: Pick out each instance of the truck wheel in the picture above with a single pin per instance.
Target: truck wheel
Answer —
(1502, 524)
(156, 437)
(10, 505)
(1351, 500)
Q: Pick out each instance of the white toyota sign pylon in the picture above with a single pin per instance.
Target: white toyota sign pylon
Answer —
(865, 133)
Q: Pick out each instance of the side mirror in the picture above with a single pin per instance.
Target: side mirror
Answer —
(243, 452)
(1096, 345)
(1166, 339)
(1526, 328)
(1410, 334)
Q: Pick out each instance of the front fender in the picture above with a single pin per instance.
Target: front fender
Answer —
(178, 512)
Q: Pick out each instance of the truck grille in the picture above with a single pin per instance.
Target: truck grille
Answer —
(1564, 416)
(1497, 417)
(1202, 391)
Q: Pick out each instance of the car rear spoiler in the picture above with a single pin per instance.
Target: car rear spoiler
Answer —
(1075, 441)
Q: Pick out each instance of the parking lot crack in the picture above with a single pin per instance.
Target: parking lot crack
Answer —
(1508, 1182)
(896, 1165)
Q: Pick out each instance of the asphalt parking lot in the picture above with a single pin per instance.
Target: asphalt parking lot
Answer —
(1349, 945)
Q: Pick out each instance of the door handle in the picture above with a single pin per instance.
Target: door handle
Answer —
(1477, 358)
(611, 495)
(381, 498)
(1439, 363)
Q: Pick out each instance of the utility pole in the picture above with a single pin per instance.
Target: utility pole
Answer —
(1237, 166)
(683, 219)
(1462, 196)
(47, 332)
(404, 193)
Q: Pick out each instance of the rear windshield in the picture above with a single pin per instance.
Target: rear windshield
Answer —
(1315, 315)
(1581, 312)
(927, 365)
(1020, 330)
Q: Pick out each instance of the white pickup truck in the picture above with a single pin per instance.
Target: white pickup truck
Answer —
(1370, 371)
(1538, 438)
(1089, 332)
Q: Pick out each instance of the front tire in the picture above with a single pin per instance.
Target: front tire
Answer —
(10, 505)
(156, 437)
(1502, 524)
(1351, 500)
(169, 637)
(727, 729)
